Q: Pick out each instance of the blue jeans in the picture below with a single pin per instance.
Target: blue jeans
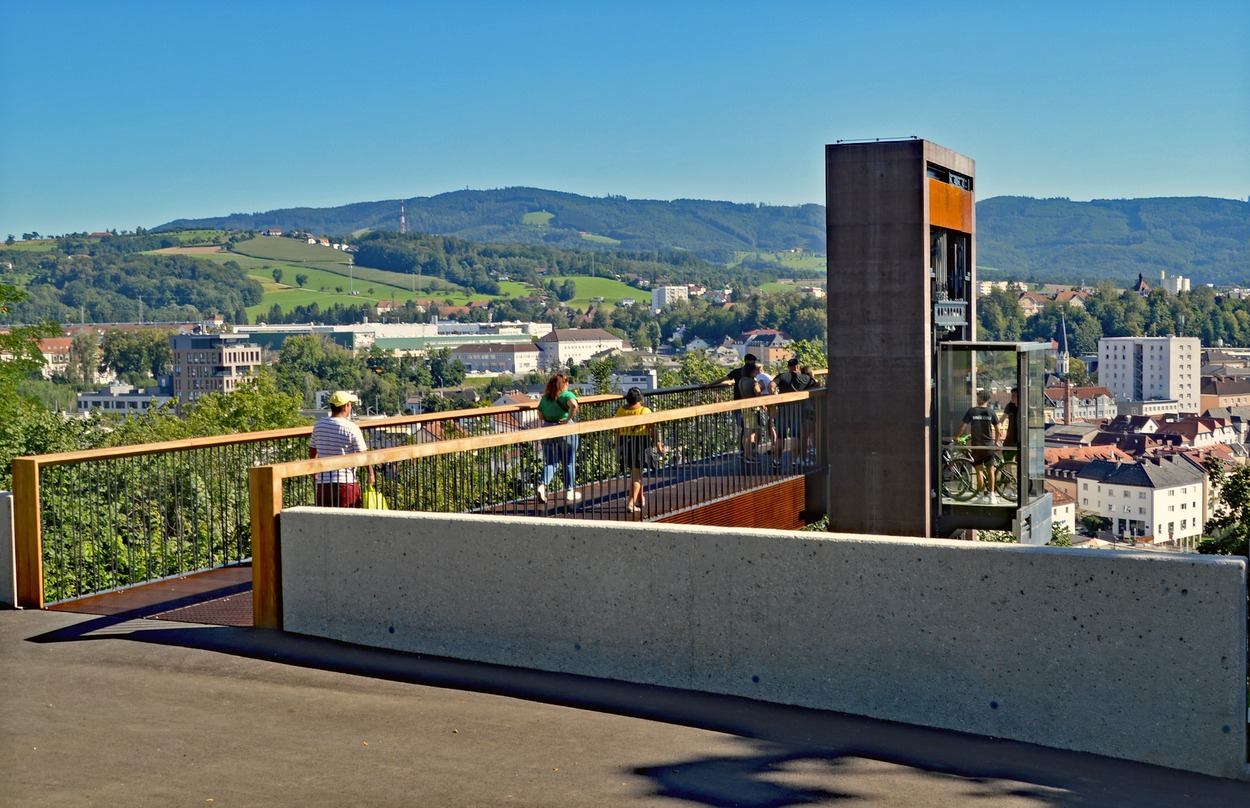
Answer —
(557, 451)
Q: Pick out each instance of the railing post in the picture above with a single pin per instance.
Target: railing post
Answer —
(266, 496)
(27, 533)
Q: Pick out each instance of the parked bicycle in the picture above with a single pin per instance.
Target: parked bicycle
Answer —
(959, 477)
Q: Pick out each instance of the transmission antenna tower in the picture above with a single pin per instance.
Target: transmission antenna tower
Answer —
(403, 220)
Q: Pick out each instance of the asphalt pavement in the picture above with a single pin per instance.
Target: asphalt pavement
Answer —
(131, 712)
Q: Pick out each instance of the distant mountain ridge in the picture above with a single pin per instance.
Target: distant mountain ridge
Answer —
(1020, 238)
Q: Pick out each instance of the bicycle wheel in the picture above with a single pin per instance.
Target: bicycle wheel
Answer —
(959, 480)
(1008, 482)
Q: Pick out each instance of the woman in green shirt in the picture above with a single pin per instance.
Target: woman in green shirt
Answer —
(559, 406)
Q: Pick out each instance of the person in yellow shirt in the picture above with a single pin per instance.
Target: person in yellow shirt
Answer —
(637, 447)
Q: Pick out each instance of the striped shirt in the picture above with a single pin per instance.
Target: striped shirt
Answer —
(332, 437)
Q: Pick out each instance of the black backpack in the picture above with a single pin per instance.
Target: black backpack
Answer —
(744, 387)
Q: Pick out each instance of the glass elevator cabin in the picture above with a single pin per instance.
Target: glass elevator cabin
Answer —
(989, 462)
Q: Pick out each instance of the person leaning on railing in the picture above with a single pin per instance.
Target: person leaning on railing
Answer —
(558, 405)
(637, 447)
(332, 437)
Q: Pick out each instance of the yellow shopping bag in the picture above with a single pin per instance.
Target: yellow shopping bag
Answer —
(372, 499)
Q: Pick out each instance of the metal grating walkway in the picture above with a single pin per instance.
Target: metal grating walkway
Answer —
(220, 597)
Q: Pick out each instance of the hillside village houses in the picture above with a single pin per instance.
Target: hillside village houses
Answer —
(1032, 303)
(1131, 449)
(770, 346)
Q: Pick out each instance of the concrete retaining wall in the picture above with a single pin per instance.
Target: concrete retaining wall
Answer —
(1133, 655)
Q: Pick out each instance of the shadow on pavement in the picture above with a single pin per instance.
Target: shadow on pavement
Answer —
(804, 756)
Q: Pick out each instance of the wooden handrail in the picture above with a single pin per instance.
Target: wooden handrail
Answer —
(266, 481)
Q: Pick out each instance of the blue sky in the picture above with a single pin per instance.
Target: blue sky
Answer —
(123, 114)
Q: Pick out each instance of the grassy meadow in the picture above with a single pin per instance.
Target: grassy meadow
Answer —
(538, 218)
(803, 261)
(612, 292)
(35, 245)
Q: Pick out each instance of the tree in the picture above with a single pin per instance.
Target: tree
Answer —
(1078, 373)
(810, 354)
(1094, 524)
(311, 362)
(300, 279)
(809, 324)
(601, 371)
(255, 405)
(277, 275)
(695, 368)
(446, 372)
(1060, 535)
(84, 357)
(1230, 526)
(28, 428)
(137, 353)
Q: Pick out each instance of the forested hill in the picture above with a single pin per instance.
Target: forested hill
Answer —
(1056, 240)
(712, 230)
(1045, 240)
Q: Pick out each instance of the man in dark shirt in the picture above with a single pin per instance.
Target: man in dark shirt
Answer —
(748, 361)
(743, 385)
(791, 418)
(981, 422)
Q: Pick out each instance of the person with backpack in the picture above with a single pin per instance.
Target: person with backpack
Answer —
(756, 419)
(736, 374)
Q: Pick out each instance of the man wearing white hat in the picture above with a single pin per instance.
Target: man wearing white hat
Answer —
(332, 437)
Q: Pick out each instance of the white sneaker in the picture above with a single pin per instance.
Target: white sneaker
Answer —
(572, 496)
(542, 492)
(993, 499)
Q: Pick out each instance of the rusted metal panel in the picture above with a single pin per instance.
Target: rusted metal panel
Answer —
(780, 506)
(950, 206)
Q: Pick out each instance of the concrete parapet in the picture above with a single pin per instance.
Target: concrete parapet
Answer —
(1133, 655)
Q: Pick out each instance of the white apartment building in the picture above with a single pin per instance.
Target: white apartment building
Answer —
(576, 345)
(121, 399)
(665, 296)
(1175, 285)
(1139, 369)
(644, 380)
(516, 359)
(1160, 499)
(1088, 403)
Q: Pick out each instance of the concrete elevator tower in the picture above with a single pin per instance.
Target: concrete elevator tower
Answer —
(902, 247)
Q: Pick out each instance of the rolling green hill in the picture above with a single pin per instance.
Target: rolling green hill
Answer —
(713, 230)
(1040, 240)
(1049, 240)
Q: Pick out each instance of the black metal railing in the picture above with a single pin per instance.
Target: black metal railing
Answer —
(90, 522)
